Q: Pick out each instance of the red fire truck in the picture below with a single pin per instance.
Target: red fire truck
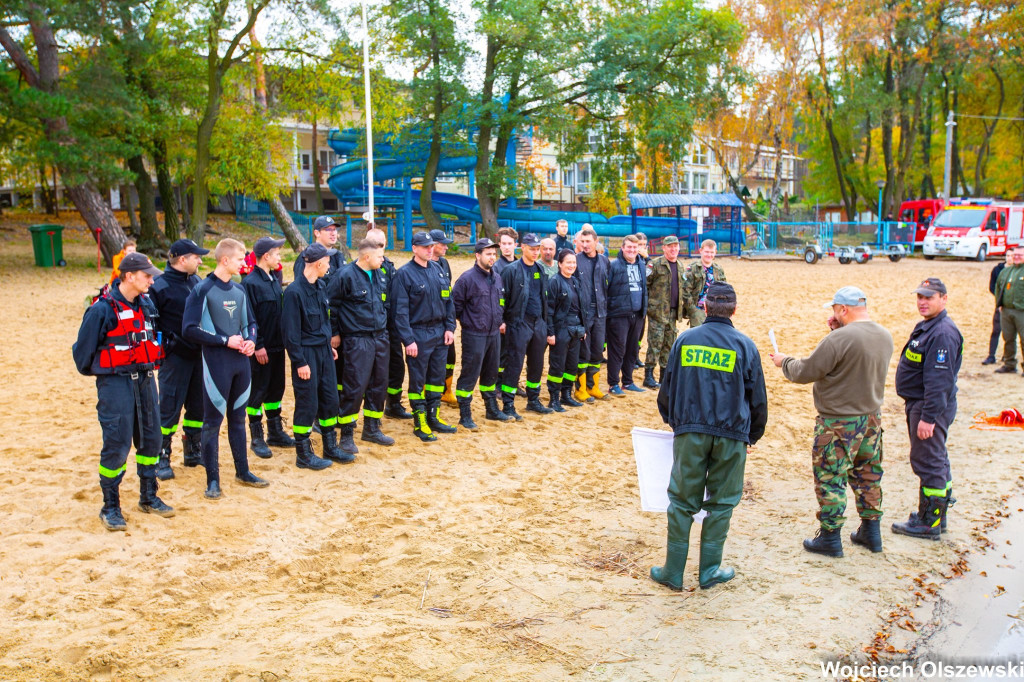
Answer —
(920, 213)
(975, 228)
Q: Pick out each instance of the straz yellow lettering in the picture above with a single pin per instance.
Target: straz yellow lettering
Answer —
(912, 356)
(718, 359)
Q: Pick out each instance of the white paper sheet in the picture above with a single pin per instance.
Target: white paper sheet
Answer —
(771, 337)
(653, 452)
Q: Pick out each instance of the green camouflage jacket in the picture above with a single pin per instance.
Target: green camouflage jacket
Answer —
(659, 290)
(693, 281)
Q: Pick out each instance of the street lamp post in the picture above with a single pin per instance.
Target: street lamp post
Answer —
(369, 217)
(880, 184)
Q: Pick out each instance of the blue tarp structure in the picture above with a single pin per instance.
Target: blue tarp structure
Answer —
(644, 201)
(719, 211)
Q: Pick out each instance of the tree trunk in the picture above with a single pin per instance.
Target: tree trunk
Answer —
(431, 217)
(990, 128)
(887, 128)
(97, 214)
(133, 217)
(927, 181)
(184, 203)
(316, 169)
(200, 190)
(149, 232)
(484, 185)
(46, 194)
(172, 229)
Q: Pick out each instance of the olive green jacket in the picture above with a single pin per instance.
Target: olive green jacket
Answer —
(659, 290)
(694, 284)
(1010, 287)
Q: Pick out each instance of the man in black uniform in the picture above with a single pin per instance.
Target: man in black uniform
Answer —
(425, 321)
(440, 247)
(507, 238)
(396, 355)
(926, 380)
(627, 309)
(477, 296)
(118, 345)
(359, 320)
(263, 290)
(525, 328)
(592, 270)
(306, 328)
(181, 374)
(218, 318)
(713, 396)
(562, 240)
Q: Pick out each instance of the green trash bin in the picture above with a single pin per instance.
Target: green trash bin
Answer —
(48, 245)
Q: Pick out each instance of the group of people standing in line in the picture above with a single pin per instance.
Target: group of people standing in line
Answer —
(159, 343)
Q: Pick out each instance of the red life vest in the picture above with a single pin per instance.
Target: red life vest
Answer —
(132, 343)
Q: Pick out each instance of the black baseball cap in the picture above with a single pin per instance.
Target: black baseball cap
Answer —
(484, 243)
(183, 247)
(138, 262)
(721, 292)
(440, 237)
(529, 239)
(422, 239)
(324, 222)
(930, 287)
(315, 252)
(265, 244)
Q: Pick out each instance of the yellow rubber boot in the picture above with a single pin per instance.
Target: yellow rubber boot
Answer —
(449, 395)
(581, 393)
(595, 390)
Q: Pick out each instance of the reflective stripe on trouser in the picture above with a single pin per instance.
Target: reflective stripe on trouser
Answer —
(365, 382)
(128, 412)
(426, 370)
(847, 450)
(267, 385)
(929, 458)
(479, 362)
(339, 369)
(524, 339)
(563, 359)
(660, 338)
(227, 382)
(623, 336)
(449, 364)
(703, 462)
(317, 396)
(181, 385)
(396, 363)
(592, 347)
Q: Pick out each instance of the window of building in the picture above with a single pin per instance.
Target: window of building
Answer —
(700, 183)
(583, 177)
(629, 174)
(594, 141)
(700, 154)
(327, 160)
(552, 176)
(305, 162)
(568, 176)
(330, 204)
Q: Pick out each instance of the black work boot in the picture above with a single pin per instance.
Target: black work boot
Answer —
(394, 407)
(533, 403)
(257, 443)
(868, 535)
(508, 406)
(110, 514)
(347, 441)
(163, 464)
(927, 523)
(438, 425)
(555, 398)
(192, 448)
(491, 410)
(950, 501)
(250, 479)
(420, 427)
(649, 381)
(276, 435)
(331, 449)
(373, 434)
(212, 490)
(305, 458)
(466, 415)
(826, 542)
(149, 502)
(567, 398)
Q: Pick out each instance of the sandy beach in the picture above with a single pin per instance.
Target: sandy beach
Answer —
(483, 556)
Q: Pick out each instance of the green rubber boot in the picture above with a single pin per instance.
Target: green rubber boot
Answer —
(713, 532)
(671, 574)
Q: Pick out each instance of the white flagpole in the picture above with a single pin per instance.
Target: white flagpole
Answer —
(369, 115)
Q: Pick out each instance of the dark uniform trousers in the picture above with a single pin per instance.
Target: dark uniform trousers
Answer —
(564, 357)
(181, 385)
(227, 382)
(426, 370)
(127, 410)
(449, 365)
(929, 458)
(527, 338)
(317, 396)
(267, 386)
(479, 361)
(396, 363)
(592, 347)
(623, 347)
(366, 380)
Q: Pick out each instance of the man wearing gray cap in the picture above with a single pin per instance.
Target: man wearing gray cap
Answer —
(440, 248)
(926, 380)
(848, 370)
(263, 290)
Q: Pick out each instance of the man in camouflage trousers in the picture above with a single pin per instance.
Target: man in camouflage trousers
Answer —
(848, 370)
(698, 277)
(665, 306)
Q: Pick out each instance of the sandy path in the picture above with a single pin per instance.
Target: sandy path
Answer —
(321, 576)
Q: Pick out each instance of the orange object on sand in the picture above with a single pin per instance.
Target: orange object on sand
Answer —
(1006, 421)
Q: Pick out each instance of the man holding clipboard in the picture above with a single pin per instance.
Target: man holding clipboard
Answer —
(713, 396)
